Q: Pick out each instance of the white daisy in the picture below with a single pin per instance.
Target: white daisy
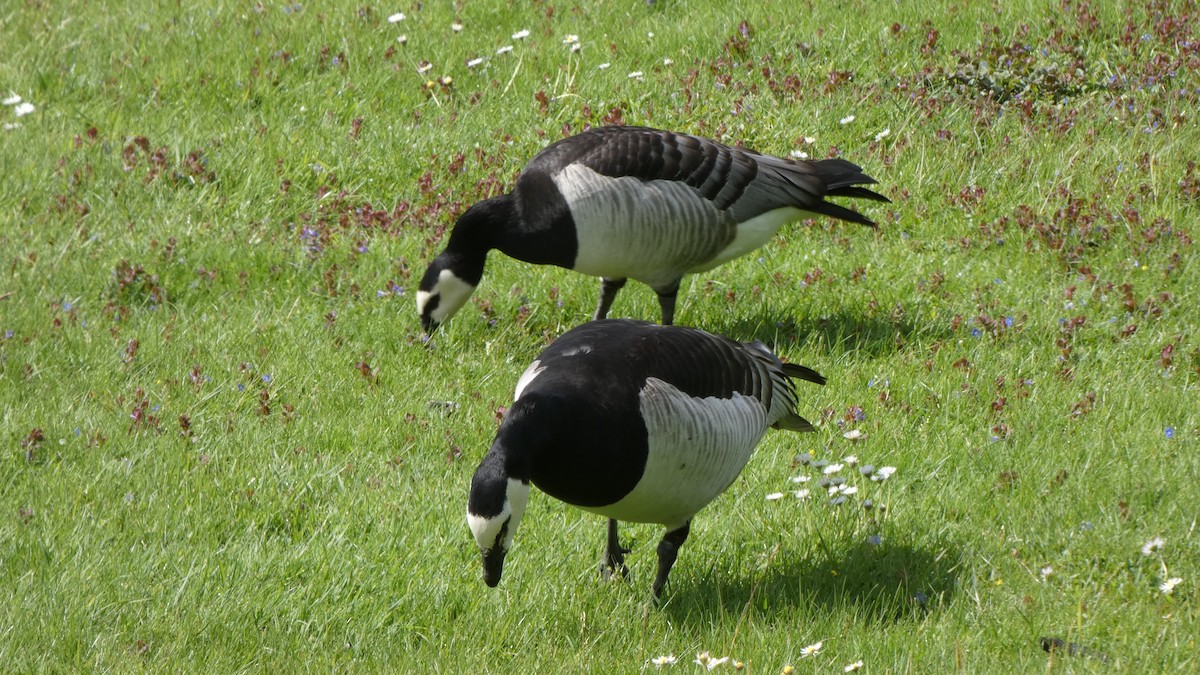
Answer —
(832, 468)
(504, 50)
(12, 99)
(850, 460)
(397, 17)
(809, 140)
(774, 496)
(851, 667)
(811, 650)
(474, 62)
(661, 661)
(603, 66)
(22, 109)
(667, 61)
(1047, 571)
(882, 135)
(846, 120)
(798, 154)
(424, 67)
(403, 39)
(1167, 587)
(520, 35)
(800, 479)
(1152, 546)
(802, 495)
(883, 473)
(854, 435)
(456, 27)
(635, 75)
(571, 39)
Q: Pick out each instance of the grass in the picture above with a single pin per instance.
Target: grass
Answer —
(229, 450)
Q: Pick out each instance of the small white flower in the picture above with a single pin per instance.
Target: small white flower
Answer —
(882, 135)
(635, 75)
(571, 39)
(811, 650)
(576, 47)
(650, 34)
(403, 39)
(474, 62)
(832, 468)
(603, 66)
(12, 99)
(835, 489)
(774, 496)
(809, 140)
(854, 435)
(849, 490)
(23, 109)
(1155, 544)
(504, 50)
(802, 495)
(424, 67)
(800, 479)
(1047, 571)
(851, 667)
(798, 154)
(846, 120)
(520, 35)
(456, 27)
(713, 663)
(702, 658)
(883, 473)
(1167, 587)
(397, 17)
(667, 61)
(9, 126)
(850, 460)
(661, 661)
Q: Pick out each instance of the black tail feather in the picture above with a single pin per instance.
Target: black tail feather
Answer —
(803, 372)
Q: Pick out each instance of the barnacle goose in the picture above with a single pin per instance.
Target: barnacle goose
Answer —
(633, 421)
(630, 202)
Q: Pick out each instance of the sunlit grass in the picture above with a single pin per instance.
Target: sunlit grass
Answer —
(229, 448)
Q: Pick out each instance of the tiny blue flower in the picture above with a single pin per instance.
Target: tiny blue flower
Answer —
(8, 334)
(1169, 432)
(380, 293)
(874, 540)
(241, 387)
(155, 408)
(1008, 322)
(975, 332)
(266, 378)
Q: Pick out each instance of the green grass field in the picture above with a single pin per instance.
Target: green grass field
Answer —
(226, 447)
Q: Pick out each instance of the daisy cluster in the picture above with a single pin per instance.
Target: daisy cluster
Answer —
(1155, 548)
(709, 662)
(20, 108)
(571, 43)
(836, 482)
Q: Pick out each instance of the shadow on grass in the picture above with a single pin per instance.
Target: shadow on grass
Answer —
(874, 583)
(836, 334)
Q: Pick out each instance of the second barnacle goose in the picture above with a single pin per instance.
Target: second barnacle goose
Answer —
(635, 203)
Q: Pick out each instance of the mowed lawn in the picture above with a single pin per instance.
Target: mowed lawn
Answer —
(227, 446)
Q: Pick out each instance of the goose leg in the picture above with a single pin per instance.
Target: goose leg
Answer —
(666, 300)
(614, 555)
(608, 293)
(668, 550)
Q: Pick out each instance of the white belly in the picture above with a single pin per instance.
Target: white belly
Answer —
(697, 447)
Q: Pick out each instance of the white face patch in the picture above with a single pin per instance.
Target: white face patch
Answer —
(451, 293)
(487, 529)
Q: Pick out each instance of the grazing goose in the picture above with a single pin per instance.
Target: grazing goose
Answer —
(630, 202)
(633, 421)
